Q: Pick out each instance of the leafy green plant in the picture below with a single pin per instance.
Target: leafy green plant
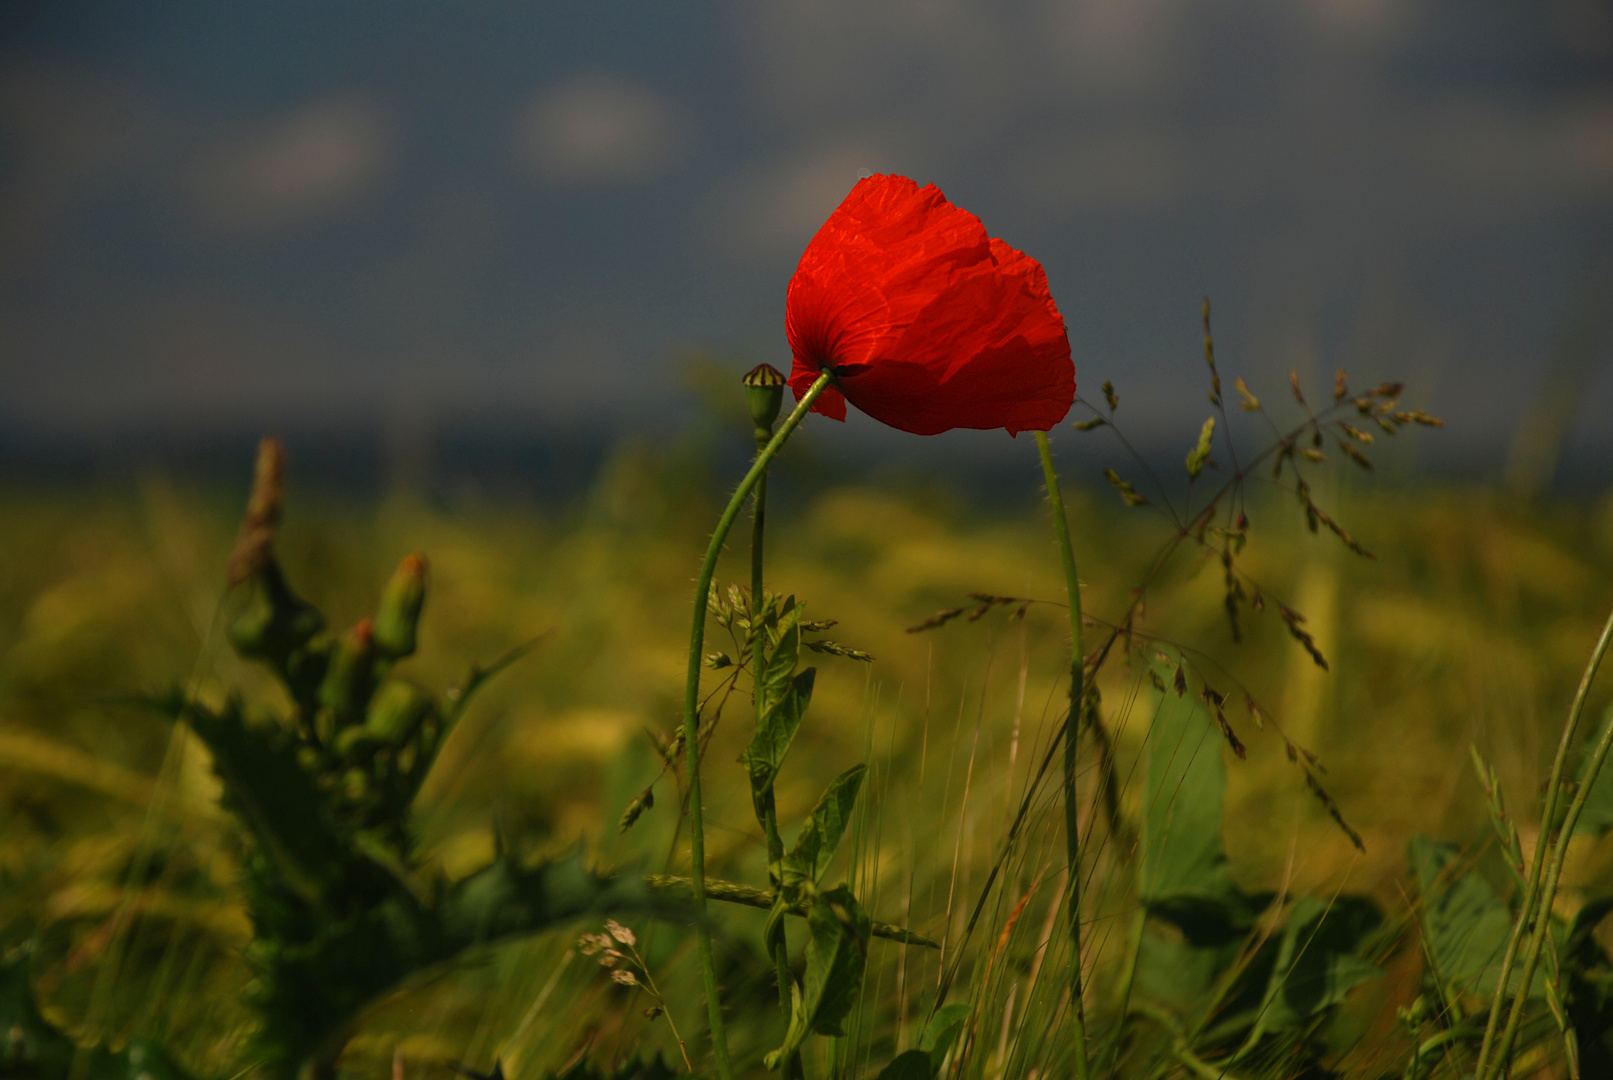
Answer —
(343, 910)
(1231, 977)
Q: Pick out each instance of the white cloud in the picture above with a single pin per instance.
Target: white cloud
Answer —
(599, 128)
(294, 167)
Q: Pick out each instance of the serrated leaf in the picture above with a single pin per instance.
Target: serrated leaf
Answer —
(765, 754)
(815, 848)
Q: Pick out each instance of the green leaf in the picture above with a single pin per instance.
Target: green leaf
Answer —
(1181, 973)
(944, 1027)
(1465, 924)
(836, 953)
(1316, 964)
(765, 754)
(779, 670)
(911, 1065)
(1596, 819)
(815, 848)
(1184, 872)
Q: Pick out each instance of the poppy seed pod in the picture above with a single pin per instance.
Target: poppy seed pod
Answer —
(764, 394)
(398, 615)
(925, 321)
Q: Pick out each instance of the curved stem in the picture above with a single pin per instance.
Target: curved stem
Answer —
(691, 714)
(1072, 827)
(1548, 891)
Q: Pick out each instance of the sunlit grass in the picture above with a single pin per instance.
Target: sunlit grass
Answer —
(1471, 626)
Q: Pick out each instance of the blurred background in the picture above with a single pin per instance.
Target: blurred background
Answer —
(475, 243)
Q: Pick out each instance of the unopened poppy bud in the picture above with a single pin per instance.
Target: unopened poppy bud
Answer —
(350, 678)
(397, 712)
(399, 612)
(764, 394)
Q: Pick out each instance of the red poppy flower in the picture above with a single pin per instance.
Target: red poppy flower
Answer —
(927, 323)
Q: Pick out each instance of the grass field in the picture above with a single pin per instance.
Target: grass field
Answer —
(1471, 626)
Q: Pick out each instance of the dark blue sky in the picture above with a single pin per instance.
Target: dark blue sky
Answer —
(219, 216)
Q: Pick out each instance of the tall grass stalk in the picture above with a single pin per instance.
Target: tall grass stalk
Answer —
(1072, 825)
(1547, 888)
(691, 713)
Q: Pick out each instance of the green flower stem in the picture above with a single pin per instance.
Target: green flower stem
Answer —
(778, 941)
(1548, 889)
(691, 714)
(1072, 723)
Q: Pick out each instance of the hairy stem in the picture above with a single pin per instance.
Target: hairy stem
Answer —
(691, 714)
(1548, 887)
(1072, 828)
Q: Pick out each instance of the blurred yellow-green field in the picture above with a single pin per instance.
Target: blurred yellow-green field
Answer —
(1470, 627)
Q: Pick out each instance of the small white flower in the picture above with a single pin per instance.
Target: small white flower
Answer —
(587, 945)
(625, 977)
(621, 933)
(610, 958)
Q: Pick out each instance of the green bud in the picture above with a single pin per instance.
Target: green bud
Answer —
(396, 713)
(273, 622)
(356, 743)
(350, 679)
(764, 394)
(399, 613)
(355, 784)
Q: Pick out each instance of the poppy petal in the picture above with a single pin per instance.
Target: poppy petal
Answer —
(927, 322)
